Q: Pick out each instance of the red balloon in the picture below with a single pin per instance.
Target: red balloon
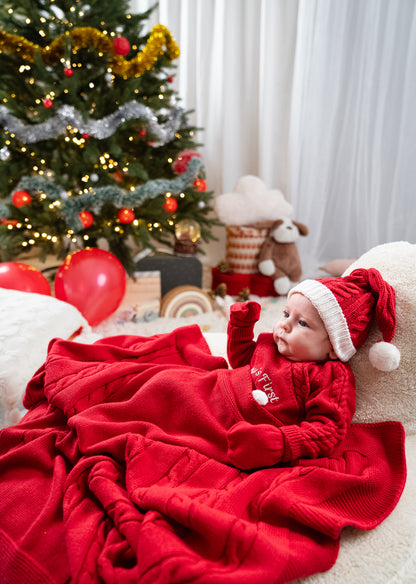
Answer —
(18, 276)
(94, 281)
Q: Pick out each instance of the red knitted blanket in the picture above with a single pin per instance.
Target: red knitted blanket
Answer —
(117, 475)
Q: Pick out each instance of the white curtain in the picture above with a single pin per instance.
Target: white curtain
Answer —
(353, 125)
(316, 97)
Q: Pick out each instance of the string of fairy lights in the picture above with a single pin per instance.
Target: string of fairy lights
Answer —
(66, 120)
(70, 207)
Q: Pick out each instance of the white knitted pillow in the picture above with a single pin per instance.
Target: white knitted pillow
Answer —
(28, 322)
(390, 396)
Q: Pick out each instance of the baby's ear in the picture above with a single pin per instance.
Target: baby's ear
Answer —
(332, 354)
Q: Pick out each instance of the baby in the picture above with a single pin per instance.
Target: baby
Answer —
(299, 372)
(289, 395)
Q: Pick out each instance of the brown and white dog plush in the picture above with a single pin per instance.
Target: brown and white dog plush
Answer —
(278, 256)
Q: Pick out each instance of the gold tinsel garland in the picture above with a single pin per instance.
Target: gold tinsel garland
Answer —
(83, 37)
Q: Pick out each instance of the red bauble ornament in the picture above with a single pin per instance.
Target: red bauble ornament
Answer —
(142, 133)
(5, 221)
(170, 79)
(200, 185)
(21, 198)
(85, 136)
(182, 160)
(121, 46)
(126, 216)
(87, 218)
(47, 103)
(68, 72)
(170, 205)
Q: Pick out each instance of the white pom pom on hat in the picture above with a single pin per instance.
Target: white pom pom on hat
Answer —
(346, 306)
(384, 356)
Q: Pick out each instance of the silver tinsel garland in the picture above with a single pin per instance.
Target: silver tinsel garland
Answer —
(93, 199)
(67, 115)
(4, 210)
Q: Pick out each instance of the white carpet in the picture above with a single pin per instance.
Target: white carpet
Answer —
(212, 322)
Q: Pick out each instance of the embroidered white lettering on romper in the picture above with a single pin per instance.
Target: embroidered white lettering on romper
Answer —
(263, 382)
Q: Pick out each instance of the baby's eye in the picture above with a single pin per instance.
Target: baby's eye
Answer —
(285, 314)
(303, 323)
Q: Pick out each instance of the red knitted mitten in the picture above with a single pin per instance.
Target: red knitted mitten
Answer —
(244, 313)
(254, 446)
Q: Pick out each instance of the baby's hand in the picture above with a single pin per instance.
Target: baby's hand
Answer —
(245, 313)
(254, 446)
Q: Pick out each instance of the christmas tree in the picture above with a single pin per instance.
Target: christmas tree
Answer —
(94, 145)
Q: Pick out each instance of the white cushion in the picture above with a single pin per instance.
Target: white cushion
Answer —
(390, 396)
(28, 322)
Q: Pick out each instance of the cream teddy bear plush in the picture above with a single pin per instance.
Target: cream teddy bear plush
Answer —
(278, 257)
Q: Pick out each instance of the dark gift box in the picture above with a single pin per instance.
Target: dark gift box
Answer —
(174, 270)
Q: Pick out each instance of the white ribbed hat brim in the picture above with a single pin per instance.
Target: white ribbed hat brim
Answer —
(331, 314)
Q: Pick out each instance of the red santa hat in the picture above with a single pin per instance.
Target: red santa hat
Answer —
(347, 305)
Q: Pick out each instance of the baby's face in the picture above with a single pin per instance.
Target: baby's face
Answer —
(300, 334)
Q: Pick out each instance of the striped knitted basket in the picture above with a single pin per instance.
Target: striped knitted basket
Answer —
(242, 247)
